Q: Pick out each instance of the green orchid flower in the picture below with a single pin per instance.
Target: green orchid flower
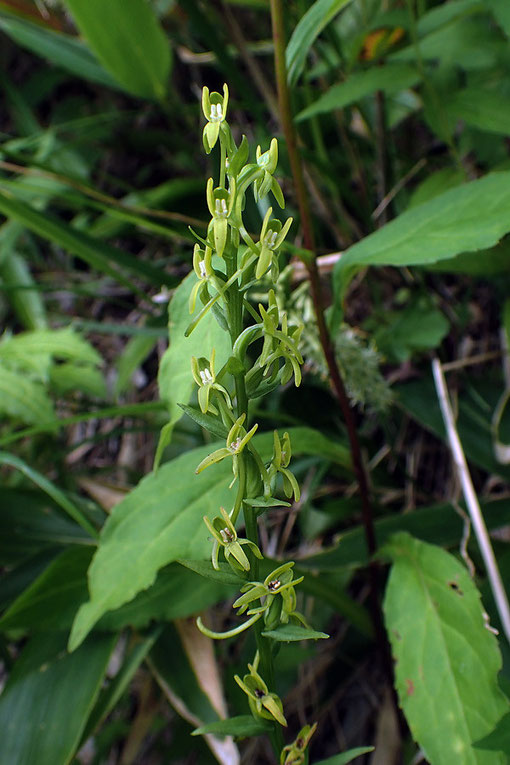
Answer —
(203, 269)
(271, 237)
(220, 203)
(204, 375)
(267, 162)
(280, 583)
(280, 464)
(262, 702)
(214, 107)
(225, 538)
(236, 441)
(295, 753)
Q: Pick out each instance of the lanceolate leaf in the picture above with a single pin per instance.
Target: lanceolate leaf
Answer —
(464, 219)
(307, 30)
(128, 40)
(25, 400)
(242, 726)
(60, 49)
(49, 695)
(447, 661)
(161, 521)
(390, 79)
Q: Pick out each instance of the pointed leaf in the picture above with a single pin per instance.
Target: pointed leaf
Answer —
(345, 757)
(242, 726)
(128, 40)
(290, 633)
(307, 30)
(48, 698)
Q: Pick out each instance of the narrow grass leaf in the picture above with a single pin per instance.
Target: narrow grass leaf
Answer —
(309, 27)
(346, 757)
(57, 48)
(128, 40)
(447, 660)
(96, 253)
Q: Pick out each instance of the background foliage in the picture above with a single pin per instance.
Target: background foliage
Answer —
(402, 110)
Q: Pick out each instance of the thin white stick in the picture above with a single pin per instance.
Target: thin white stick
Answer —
(473, 506)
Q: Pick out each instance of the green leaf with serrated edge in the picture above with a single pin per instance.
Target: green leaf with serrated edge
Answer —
(25, 400)
(128, 40)
(175, 380)
(498, 740)
(345, 757)
(290, 633)
(306, 32)
(390, 79)
(242, 726)
(60, 49)
(161, 521)
(205, 568)
(447, 661)
(207, 421)
(52, 691)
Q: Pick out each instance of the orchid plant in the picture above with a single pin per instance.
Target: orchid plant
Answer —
(228, 263)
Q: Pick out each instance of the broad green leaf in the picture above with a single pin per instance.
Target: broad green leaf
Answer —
(290, 633)
(440, 524)
(160, 521)
(60, 49)
(497, 740)
(25, 400)
(419, 327)
(436, 183)
(175, 380)
(345, 757)
(485, 263)
(447, 661)
(48, 697)
(480, 108)
(306, 32)
(242, 726)
(441, 15)
(464, 43)
(390, 78)
(126, 37)
(464, 219)
(93, 251)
